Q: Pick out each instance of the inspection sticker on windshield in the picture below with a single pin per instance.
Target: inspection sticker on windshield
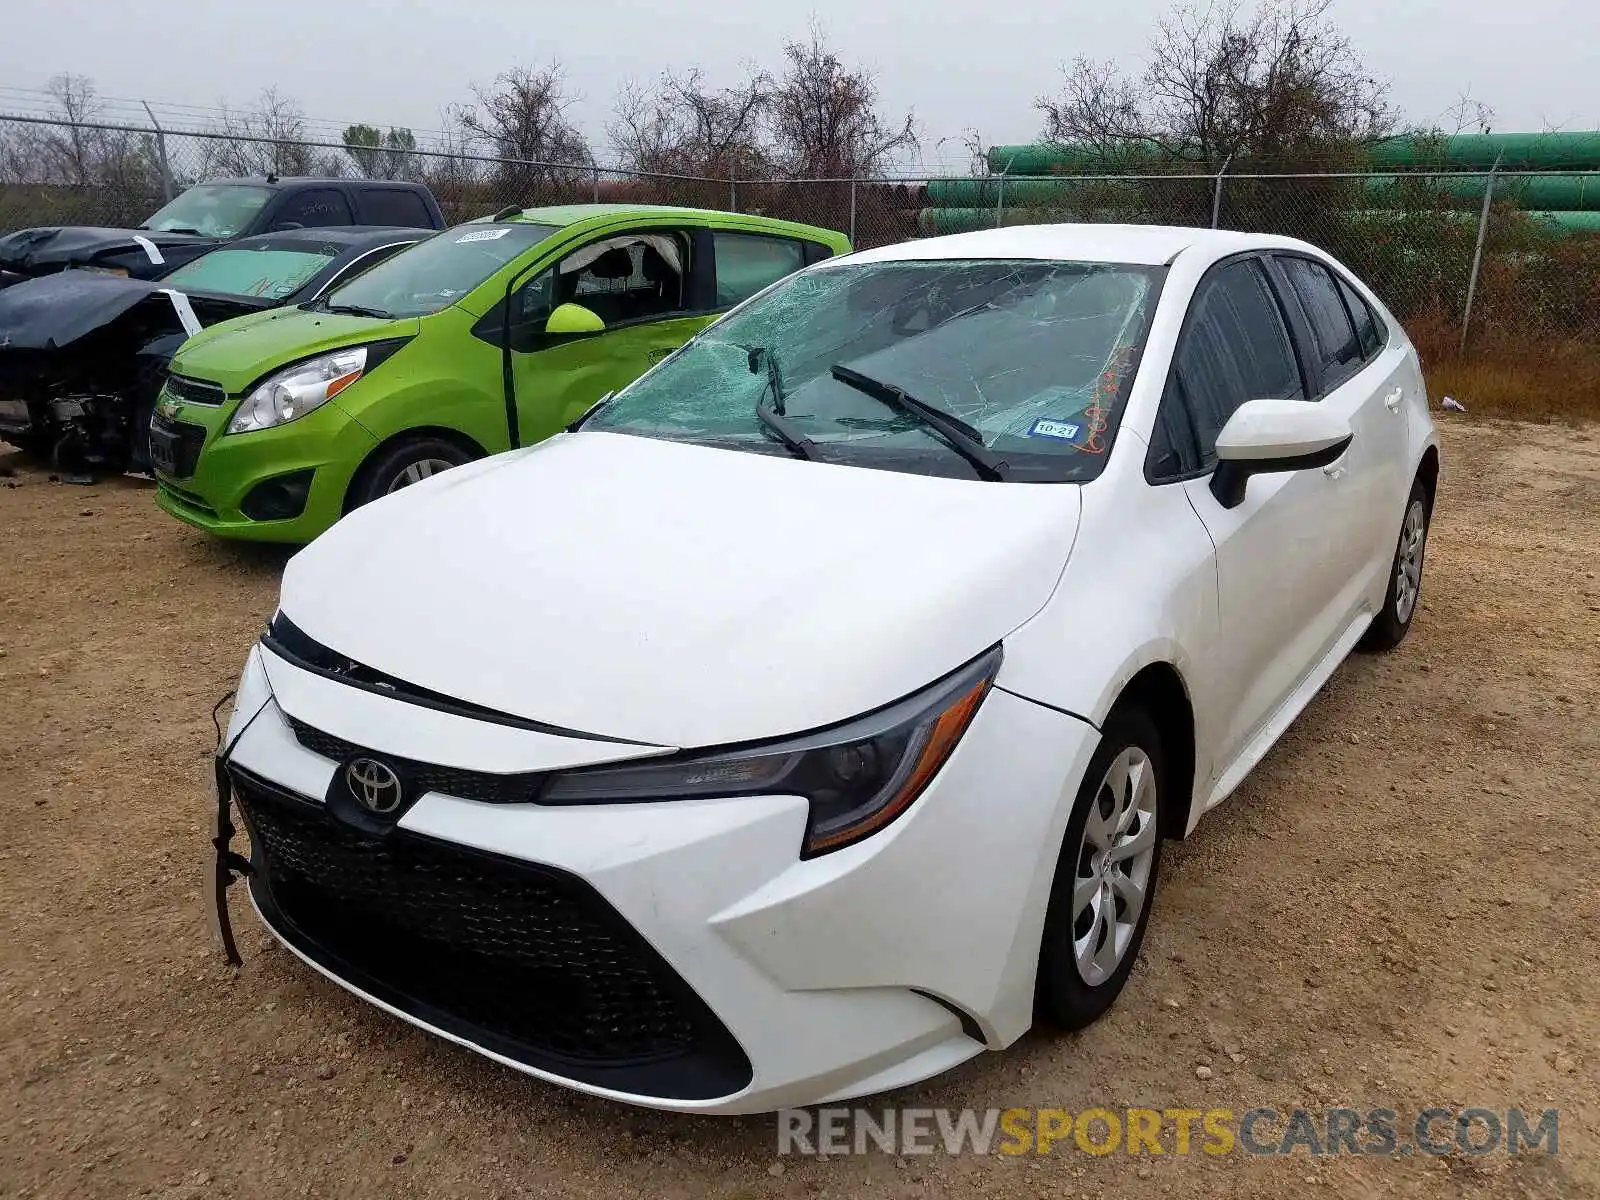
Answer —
(1061, 431)
(482, 235)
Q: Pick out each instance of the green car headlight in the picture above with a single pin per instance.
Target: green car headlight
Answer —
(306, 386)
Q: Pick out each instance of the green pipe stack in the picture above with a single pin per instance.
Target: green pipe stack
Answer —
(1040, 182)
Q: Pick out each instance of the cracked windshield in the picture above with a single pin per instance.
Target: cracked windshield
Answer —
(1000, 369)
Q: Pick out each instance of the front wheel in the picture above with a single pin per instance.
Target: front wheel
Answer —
(406, 462)
(1404, 593)
(1105, 879)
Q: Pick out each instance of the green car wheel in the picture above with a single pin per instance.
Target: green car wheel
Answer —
(411, 460)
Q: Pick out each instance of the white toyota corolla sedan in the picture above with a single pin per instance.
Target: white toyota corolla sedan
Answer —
(810, 719)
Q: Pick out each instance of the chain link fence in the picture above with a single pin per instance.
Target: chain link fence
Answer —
(1494, 262)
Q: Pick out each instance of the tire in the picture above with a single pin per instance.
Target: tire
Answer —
(1076, 985)
(1404, 594)
(405, 462)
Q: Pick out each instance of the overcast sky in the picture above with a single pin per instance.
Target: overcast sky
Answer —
(959, 65)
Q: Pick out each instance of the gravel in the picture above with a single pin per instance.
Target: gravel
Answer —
(1362, 856)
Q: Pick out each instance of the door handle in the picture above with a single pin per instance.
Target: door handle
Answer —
(1393, 399)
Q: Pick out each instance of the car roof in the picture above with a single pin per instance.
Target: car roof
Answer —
(1141, 245)
(346, 237)
(278, 181)
(571, 214)
(562, 215)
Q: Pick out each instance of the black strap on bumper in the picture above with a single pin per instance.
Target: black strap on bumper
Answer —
(228, 865)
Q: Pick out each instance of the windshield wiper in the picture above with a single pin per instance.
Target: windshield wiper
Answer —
(783, 429)
(774, 373)
(181, 229)
(359, 310)
(963, 438)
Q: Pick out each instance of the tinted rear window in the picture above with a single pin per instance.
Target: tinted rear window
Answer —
(1336, 344)
(393, 206)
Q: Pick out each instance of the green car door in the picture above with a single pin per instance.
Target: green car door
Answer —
(608, 311)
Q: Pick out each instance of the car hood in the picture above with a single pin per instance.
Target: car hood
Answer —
(236, 353)
(679, 595)
(51, 311)
(40, 251)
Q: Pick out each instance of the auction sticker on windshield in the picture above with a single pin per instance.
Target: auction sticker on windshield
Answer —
(482, 235)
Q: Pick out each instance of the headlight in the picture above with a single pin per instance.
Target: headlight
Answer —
(858, 777)
(297, 390)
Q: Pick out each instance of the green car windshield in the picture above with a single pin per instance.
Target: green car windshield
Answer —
(269, 273)
(434, 274)
(1034, 357)
(214, 209)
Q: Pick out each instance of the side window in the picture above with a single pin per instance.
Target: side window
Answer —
(816, 252)
(314, 207)
(1337, 346)
(392, 206)
(631, 277)
(1234, 348)
(748, 262)
(1367, 323)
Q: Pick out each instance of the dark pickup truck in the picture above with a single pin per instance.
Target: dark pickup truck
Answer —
(210, 214)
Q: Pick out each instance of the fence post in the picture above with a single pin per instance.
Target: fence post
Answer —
(161, 151)
(1216, 199)
(596, 189)
(733, 193)
(852, 210)
(1000, 192)
(1477, 253)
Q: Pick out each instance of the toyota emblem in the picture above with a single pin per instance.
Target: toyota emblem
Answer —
(374, 785)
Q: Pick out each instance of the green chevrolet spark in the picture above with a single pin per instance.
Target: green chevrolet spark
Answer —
(494, 334)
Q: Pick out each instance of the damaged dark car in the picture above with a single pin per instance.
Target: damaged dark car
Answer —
(208, 215)
(83, 354)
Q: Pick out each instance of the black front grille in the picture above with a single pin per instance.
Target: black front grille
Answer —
(427, 777)
(195, 391)
(520, 959)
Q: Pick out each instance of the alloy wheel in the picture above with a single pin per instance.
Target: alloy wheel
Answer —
(1113, 869)
(422, 469)
(1408, 563)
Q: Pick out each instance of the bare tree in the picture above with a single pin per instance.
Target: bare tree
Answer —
(1467, 115)
(452, 172)
(523, 115)
(1278, 81)
(265, 138)
(683, 126)
(824, 117)
(73, 98)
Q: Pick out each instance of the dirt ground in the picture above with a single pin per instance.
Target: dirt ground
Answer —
(1397, 910)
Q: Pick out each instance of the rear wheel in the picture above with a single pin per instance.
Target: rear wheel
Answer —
(1404, 593)
(1105, 879)
(404, 463)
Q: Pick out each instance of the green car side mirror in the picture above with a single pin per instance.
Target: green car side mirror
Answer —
(573, 319)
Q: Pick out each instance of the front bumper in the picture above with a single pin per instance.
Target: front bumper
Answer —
(228, 467)
(733, 976)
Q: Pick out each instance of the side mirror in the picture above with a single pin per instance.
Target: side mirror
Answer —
(573, 320)
(1265, 437)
